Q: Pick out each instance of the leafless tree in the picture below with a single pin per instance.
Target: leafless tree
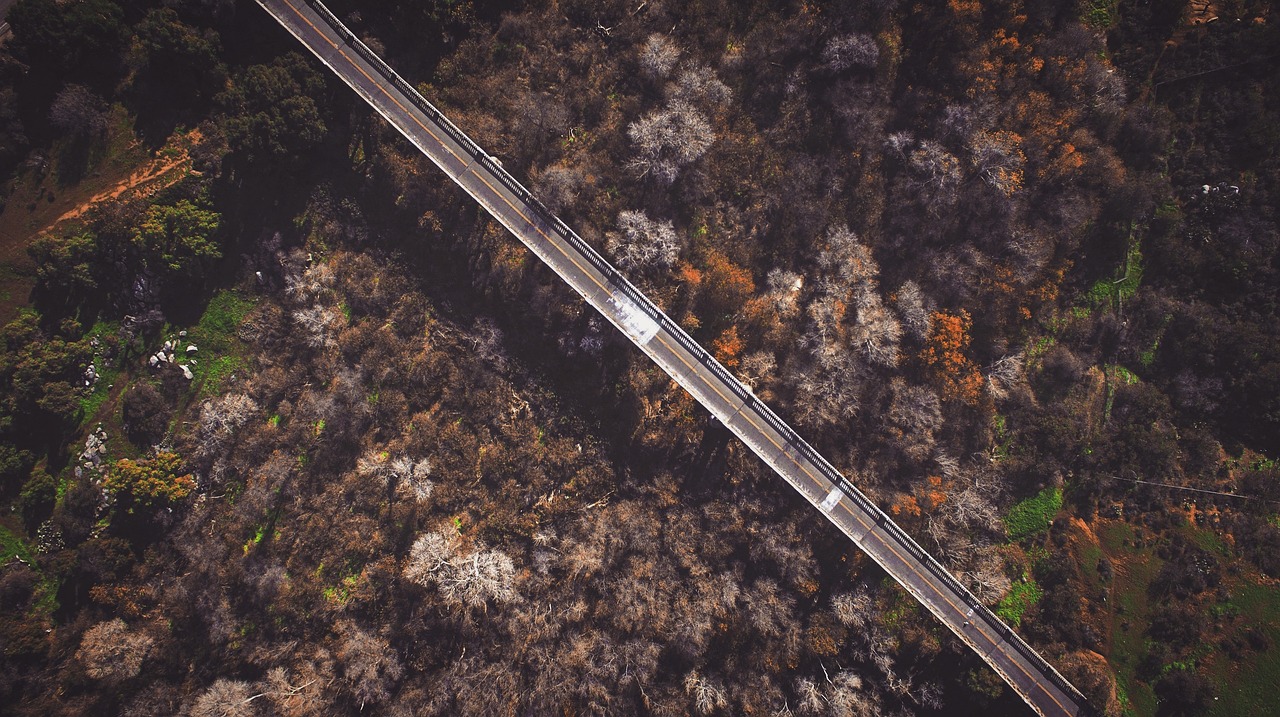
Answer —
(318, 324)
(468, 581)
(997, 157)
(111, 652)
(669, 139)
(699, 86)
(398, 472)
(846, 259)
(1006, 373)
(916, 412)
(810, 697)
(935, 175)
(784, 291)
(758, 369)
(221, 417)
(558, 187)
(708, 696)
(78, 112)
(226, 698)
(856, 50)
(301, 693)
(876, 332)
(310, 284)
(487, 341)
(769, 610)
(643, 245)
(370, 667)
(658, 57)
(853, 609)
(847, 698)
(914, 308)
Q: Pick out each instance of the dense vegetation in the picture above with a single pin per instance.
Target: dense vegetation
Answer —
(301, 431)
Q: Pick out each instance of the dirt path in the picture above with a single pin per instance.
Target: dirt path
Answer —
(157, 169)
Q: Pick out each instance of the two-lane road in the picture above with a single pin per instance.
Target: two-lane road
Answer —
(686, 362)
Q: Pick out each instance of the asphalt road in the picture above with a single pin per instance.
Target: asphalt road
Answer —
(1035, 680)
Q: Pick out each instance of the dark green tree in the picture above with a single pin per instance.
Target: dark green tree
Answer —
(179, 63)
(271, 111)
(178, 239)
(60, 41)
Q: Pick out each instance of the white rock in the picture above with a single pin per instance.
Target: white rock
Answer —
(186, 373)
(182, 333)
(191, 348)
(153, 361)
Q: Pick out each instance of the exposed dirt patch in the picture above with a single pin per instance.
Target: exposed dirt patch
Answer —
(147, 180)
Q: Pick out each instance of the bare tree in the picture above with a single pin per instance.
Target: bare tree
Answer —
(1006, 373)
(400, 473)
(301, 693)
(643, 245)
(708, 696)
(856, 50)
(110, 651)
(226, 698)
(876, 332)
(221, 417)
(468, 581)
(669, 139)
(370, 667)
(487, 341)
(309, 285)
(935, 175)
(811, 700)
(853, 609)
(317, 324)
(700, 86)
(658, 56)
(78, 112)
(998, 159)
(846, 697)
(916, 413)
(914, 308)
(558, 187)
(784, 291)
(846, 259)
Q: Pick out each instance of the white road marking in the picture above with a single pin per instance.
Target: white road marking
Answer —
(634, 323)
(832, 498)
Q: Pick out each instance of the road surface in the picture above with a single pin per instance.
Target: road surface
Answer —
(1047, 692)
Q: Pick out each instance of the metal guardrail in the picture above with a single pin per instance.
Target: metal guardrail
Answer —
(642, 302)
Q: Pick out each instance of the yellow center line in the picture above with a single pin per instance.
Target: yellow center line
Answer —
(583, 270)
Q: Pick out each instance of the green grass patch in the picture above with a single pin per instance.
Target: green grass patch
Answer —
(1135, 569)
(1112, 293)
(1247, 686)
(215, 372)
(1115, 375)
(1021, 597)
(216, 330)
(12, 546)
(1033, 515)
(220, 352)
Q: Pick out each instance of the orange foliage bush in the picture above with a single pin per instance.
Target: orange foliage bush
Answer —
(151, 481)
(728, 347)
(944, 358)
